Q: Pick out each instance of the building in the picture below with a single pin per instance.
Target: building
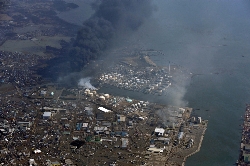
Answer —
(199, 120)
(193, 119)
(55, 163)
(159, 131)
(24, 125)
(46, 115)
(155, 150)
(130, 123)
(85, 125)
(104, 109)
(246, 157)
(124, 143)
(121, 118)
(164, 140)
(100, 129)
(32, 162)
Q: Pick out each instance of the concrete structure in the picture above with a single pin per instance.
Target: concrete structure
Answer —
(199, 120)
(121, 118)
(124, 143)
(155, 150)
(102, 98)
(159, 131)
(55, 163)
(47, 115)
(106, 96)
(104, 109)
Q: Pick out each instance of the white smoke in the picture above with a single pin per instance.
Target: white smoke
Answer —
(85, 82)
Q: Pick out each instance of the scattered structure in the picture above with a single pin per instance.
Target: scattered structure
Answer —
(244, 157)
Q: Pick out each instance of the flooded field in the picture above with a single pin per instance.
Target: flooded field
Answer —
(35, 45)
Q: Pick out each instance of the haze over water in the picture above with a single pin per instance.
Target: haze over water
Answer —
(211, 39)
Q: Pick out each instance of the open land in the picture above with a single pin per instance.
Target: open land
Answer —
(35, 45)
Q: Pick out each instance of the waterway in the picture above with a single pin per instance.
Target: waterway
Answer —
(211, 40)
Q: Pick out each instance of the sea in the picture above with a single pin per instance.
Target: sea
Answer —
(211, 40)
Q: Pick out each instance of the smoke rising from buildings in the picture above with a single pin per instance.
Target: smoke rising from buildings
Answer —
(85, 83)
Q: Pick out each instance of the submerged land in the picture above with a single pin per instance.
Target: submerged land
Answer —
(47, 123)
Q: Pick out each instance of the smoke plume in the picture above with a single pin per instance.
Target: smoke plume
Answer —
(85, 83)
(112, 18)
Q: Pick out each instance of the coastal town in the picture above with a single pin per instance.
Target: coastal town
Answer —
(47, 123)
(52, 126)
(244, 157)
(56, 125)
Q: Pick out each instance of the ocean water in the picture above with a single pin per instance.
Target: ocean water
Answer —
(210, 39)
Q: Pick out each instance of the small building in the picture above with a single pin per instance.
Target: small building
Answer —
(55, 163)
(37, 151)
(164, 140)
(246, 157)
(130, 123)
(104, 109)
(121, 118)
(78, 126)
(66, 133)
(100, 129)
(107, 124)
(68, 162)
(102, 98)
(106, 96)
(124, 143)
(247, 147)
(43, 92)
(46, 115)
(159, 131)
(24, 125)
(85, 125)
(32, 162)
(199, 120)
(99, 116)
(193, 119)
(155, 150)
(89, 111)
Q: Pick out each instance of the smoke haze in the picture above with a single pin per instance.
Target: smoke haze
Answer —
(112, 20)
(85, 83)
(211, 40)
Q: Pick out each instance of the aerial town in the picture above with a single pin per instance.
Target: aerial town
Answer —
(50, 125)
(244, 157)
(46, 123)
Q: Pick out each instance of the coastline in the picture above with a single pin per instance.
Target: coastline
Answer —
(198, 148)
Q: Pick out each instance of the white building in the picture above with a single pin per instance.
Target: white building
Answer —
(159, 131)
(199, 120)
(46, 115)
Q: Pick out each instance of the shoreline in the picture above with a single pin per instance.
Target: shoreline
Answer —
(198, 148)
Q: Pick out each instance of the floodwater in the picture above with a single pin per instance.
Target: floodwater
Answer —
(211, 40)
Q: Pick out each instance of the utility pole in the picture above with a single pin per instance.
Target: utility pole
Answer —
(169, 67)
